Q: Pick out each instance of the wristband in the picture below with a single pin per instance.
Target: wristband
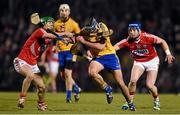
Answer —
(59, 37)
(168, 52)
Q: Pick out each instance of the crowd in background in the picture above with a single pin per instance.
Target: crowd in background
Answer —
(160, 17)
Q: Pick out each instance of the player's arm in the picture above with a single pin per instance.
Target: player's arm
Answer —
(49, 35)
(120, 44)
(57, 35)
(165, 47)
(116, 46)
(97, 46)
(64, 36)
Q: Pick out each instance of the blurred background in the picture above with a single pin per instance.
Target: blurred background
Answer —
(159, 17)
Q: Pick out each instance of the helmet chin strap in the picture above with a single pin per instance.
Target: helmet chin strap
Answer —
(137, 39)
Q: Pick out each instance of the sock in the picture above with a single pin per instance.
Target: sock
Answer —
(108, 89)
(22, 94)
(68, 94)
(76, 88)
(131, 96)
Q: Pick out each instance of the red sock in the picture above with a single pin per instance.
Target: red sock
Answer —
(131, 93)
(41, 101)
(23, 94)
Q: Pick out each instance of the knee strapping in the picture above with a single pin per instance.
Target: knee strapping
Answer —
(41, 89)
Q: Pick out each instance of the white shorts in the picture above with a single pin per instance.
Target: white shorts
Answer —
(54, 67)
(149, 65)
(18, 63)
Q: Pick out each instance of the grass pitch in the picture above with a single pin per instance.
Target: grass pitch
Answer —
(90, 103)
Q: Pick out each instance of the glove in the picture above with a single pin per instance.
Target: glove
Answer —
(59, 37)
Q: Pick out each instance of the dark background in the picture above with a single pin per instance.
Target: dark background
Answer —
(159, 17)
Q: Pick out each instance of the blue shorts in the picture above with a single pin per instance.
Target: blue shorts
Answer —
(110, 61)
(64, 58)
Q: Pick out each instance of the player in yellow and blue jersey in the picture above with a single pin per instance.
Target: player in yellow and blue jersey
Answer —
(104, 58)
(67, 24)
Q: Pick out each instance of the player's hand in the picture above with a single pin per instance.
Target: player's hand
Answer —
(169, 58)
(69, 34)
(80, 39)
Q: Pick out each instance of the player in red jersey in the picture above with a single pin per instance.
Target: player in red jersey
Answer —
(50, 61)
(26, 62)
(141, 45)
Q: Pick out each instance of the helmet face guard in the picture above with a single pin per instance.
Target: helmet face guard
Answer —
(91, 26)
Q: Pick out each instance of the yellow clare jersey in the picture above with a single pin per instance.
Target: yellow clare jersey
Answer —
(109, 49)
(69, 26)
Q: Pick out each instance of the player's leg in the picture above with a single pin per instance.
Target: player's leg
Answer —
(68, 87)
(152, 71)
(68, 83)
(53, 81)
(24, 69)
(76, 89)
(29, 76)
(54, 66)
(65, 73)
(113, 64)
(26, 84)
(72, 87)
(40, 91)
(94, 69)
(125, 91)
(150, 82)
(136, 73)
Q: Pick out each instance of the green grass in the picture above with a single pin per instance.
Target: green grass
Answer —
(90, 103)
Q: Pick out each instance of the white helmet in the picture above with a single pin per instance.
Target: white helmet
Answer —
(64, 6)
